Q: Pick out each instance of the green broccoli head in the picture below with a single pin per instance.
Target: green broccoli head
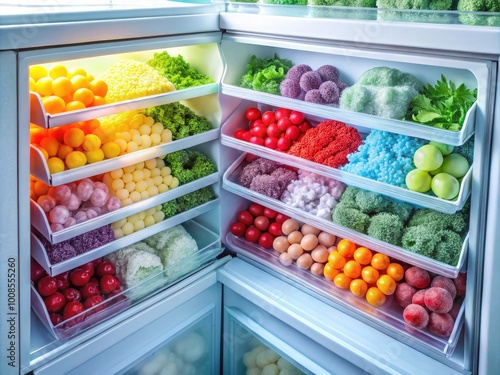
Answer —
(436, 220)
(401, 209)
(415, 4)
(420, 239)
(479, 6)
(381, 91)
(386, 227)
(350, 217)
(370, 202)
(449, 247)
(189, 165)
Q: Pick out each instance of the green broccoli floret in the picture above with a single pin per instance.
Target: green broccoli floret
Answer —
(178, 71)
(348, 197)
(332, 9)
(420, 239)
(386, 227)
(415, 4)
(401, 209)
(179, 119)
(381, 91)
(350, 217)
(345, 3)
(479, 6)
(370, 202)
(395, 10)
(265, 74)
(187, 202)
(438, 220)
(189, 165)
(449, 247)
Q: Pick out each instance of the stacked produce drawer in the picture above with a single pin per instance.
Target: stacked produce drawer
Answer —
(367, 175)
(124, 164)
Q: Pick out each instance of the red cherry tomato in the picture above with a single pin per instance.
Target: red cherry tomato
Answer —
(255, 123)
(62, 280)
(257, 140)
(36, 271)
(292, 132)
(281, 218)
(271, 142)
(107, 284)
(92, 301)
(55, 318)
(79, 277)
(246, 136)
(266, 240)
(245, 217)
(281, 112)
(296, 117)
(256, 209)
(304, 126)
(275, 229)
(55, 302)
(261, 222)
(89, 290)
(268, 117)
(273, 130)
(269, 213)
(252, 114)
(284, 123)
(105, 268)
(88, 267)
(47, 285)
(259, 131)
(71, 309)
(238, 228)
(71, 294)
(252, 234)
(238, 134)
(284, 143)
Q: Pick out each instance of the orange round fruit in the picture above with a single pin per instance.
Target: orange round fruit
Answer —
(99, 87)
(40, 188)
(63, 151)
(74, 105)
(336, 259)
(84, 95)
(77, 71)
(352, 269)
(98, 100)
(53, 104)
(346, 248)
(58, 71)
(380, 261)
(363, 255)
(75, 159)
(329, 272)
(375, 297)
(61, 86)
(396, 271)
(370, 274)
(386, 284)
(79, 82)
(51, 145)
(358, 287)
(74, 137)
(342, 281)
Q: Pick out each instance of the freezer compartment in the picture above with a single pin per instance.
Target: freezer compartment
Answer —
(351, 64)
(230, 183)
(237, 121)
(209, 248)
(39, 252)
(389, 315)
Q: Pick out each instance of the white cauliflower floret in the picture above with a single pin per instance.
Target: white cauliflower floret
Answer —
(250, 358)
(267, 357)
(140, 265)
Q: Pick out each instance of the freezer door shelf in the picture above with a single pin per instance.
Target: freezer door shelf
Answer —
(271, 308)
(190, 309)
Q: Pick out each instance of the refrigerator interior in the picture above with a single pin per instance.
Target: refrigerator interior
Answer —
(170, 318)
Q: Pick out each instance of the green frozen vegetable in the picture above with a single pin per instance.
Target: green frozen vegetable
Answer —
(187, 202)
(189, 165)
(386, 227)
(285, 2)
(179, 119)
(415, 4)
(443, 105)
(415, 10)
(381, 91)
(345, 3)
(265, 74)
(351, 218)
(438, 220)
(369, 201)
(178, 71)
(479, 6)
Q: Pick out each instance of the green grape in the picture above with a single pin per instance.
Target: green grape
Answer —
(428, 158)
(418, 180)
(445, 186)
(456, 165)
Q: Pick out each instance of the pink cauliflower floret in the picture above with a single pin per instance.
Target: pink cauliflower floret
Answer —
(267, 185)
(113, 203)
(328, 73)
(59, 193)
(55, 227)
(46, 202)
(91, 213)
(72, 203)
(310, 81)
(80, 216)
(58, 215)
(295, 72)
(329, 92)
(99, 197)
(101, 186)
(314, 96)
(70, 222)
(290, 88)
(84, 189)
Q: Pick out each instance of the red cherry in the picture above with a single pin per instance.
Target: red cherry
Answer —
(304, 126)
(105, 268)
(62, 280)
(108, 283)
(238, 133)
(284, 143)
(88, 267)
(273, 130)
(259, 131)
(257, 140)
(283, 123)
(71, 294)
(37, 271)
(268, 117)
(47, 285)
(89, 290)
(271, 142)
(246, 136)
(292, 132)
(71, 309)
(79, 277)
(55, 318)
(92, 301)
(55, 302)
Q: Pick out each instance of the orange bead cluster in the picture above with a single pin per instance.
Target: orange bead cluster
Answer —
(366, 274)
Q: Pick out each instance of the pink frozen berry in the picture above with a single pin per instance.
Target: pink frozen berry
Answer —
(440, 324)
(56, 227)
(418, 298)
(445, 283)
(101, 186)
(438, 300)
(60, 193)
(98, 198)
(84, 189)
(70, 222)
(416, 316)
(91, 213)
(460, 283)
(403, 294)
(417, 277)
(113, 203)
(58, 215)
(72, 203)
(80, 216)
(46, 202)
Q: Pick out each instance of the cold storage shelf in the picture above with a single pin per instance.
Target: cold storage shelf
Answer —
(209, 248)
(40, 222)
(389, 315)
(229, 183)
(39, 252)
(237, 120)
(40, 169)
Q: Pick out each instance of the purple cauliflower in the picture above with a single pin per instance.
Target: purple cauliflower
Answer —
(328, 73)
(314, 96)
(267, 185)
(61, 252)
(329, 92)
(310, 81)
(296, 72)
(290, 88)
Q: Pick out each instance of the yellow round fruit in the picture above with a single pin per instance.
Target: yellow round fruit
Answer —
(386, 284)
(79, 82)
(77, 71)
(55, 165)
(32, 85)
(91, 143)
(61, 86)
(74, 137)
(44, 86)
(75, 159)
(94, 156)
(111, 150)
(74, 105)
(84, 95)
(43, 151)
(51, 145)
(53, 104)
(358, 287)
(99, 87)
(58, 71)
(37, 72)
(375, 297)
